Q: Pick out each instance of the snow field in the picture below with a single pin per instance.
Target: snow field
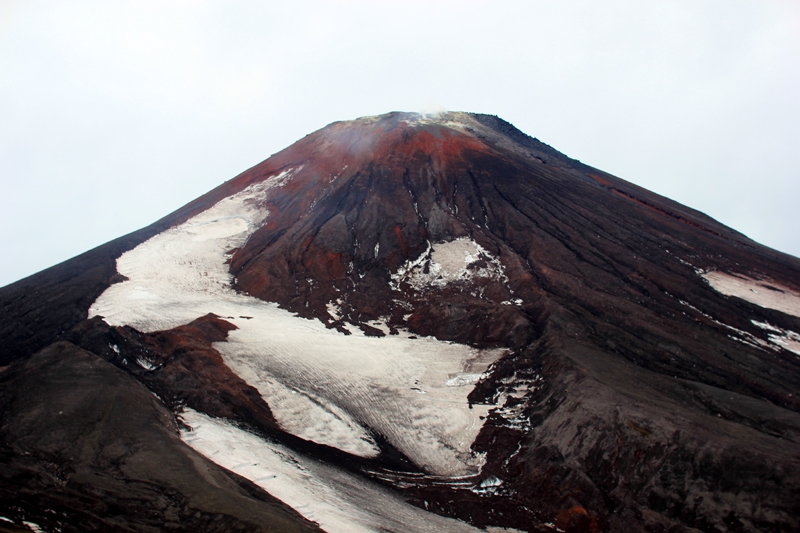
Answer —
(320, 384)
(764, 293)
(336, 500)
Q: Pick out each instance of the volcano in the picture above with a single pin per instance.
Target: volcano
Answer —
(408, 323)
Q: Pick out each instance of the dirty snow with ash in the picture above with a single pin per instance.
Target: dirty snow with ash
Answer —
(778, 338)
(321, 385)
(488, 486)
(736, 334)
(144, 363)
(760, 292)
(785, 338)
(512, 413)
(336, 500)
(335, 309)
(448, 262)
(33, 526)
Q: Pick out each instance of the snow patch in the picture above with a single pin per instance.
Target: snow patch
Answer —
(321, 385)
(144, 363)
(491, 481)
(699, 271)
(760, 292)
(512, 413)
(335, 309)
(336, 500)
(381, 324)
(464, 379)
(488, 486)
(785, 338)
(742, 336)
(36, 528)
(460, 260)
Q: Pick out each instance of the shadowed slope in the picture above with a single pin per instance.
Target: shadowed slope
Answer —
(86, 447)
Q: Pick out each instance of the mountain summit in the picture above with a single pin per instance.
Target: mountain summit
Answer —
(409, 323)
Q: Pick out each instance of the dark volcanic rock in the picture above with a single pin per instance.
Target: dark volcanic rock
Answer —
(180, 365)
(615, 450)
(86, 448)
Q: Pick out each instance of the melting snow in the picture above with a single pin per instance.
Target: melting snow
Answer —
(764, 293)
(144, 363)
(488, 486)
(321, 385)
(778, 338)
(335, 309)
(36, 528)
(336, 500)
(785, 338)
(448, 262)
(381, 324)
(741, 336)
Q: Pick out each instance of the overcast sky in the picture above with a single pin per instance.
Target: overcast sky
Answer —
(113, 114)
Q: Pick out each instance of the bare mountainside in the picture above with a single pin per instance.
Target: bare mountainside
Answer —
(408, 323)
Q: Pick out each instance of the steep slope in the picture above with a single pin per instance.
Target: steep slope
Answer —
(454, 310)
(87, 448)
(36, 310)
